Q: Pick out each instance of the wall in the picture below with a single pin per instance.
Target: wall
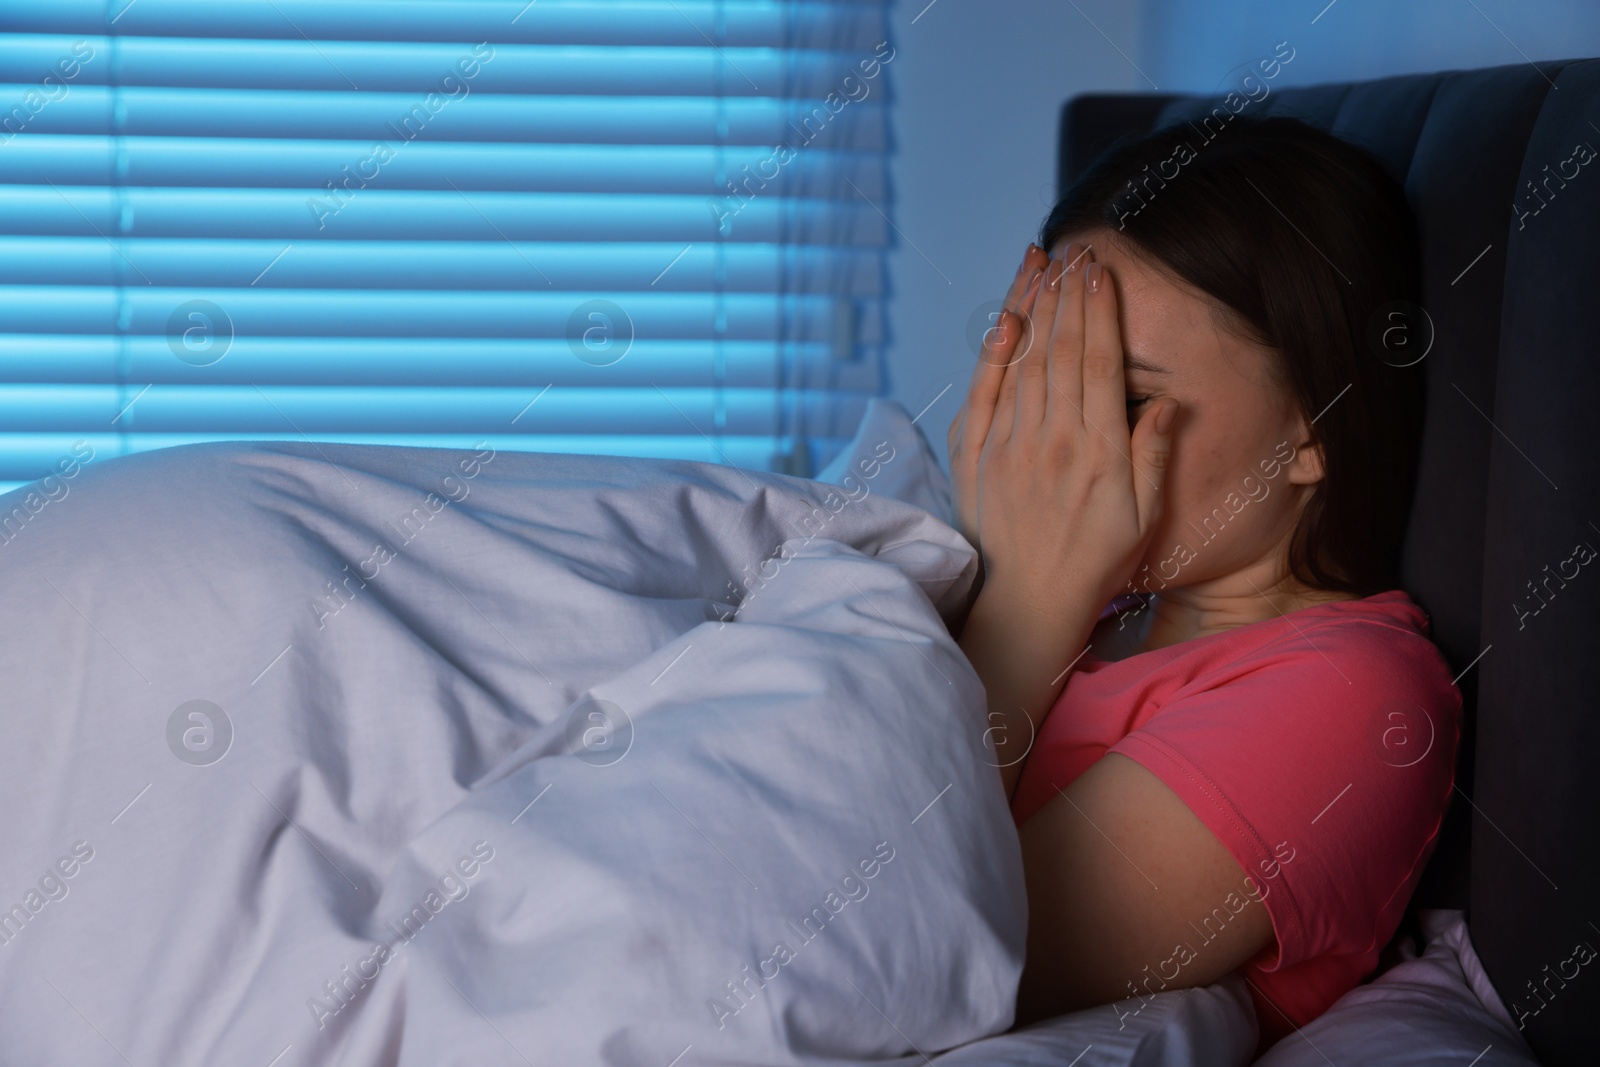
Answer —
(1189, 47)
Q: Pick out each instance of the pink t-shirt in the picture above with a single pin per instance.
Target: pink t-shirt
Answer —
(1319, 747)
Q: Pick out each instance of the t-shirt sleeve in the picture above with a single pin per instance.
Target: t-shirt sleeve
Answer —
(1324, 763)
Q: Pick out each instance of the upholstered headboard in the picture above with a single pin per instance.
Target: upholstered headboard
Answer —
(1500, 168)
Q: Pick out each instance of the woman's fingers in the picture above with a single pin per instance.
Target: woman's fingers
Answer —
(1105, 401)
(1031, 369)
(1064, 406)
(1019, 336)
(970, 425)
(996, 352)
(1035, 259)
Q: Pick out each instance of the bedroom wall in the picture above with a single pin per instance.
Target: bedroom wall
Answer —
(1189, 47)
(978, 88)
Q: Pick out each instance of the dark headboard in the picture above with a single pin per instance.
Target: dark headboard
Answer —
(1509, 483)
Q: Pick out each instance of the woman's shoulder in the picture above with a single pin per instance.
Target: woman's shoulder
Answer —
(1380, 641)
(1344, 687)
(1392, 609)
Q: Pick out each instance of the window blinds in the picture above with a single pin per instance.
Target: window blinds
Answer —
(643, 227)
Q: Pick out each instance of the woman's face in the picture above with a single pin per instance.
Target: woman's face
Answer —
(1241, 464)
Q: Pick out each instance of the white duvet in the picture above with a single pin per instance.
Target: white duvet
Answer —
(335, 754)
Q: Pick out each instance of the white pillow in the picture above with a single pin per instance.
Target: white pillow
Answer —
(1435, 1008)
(890, 456)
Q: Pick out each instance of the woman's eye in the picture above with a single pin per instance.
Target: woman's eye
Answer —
(1135, 401)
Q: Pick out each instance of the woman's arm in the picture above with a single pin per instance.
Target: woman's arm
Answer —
(1022, 656)
(971, 423)
(1128, 894)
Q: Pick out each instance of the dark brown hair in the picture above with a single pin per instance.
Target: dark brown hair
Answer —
(1305, 243)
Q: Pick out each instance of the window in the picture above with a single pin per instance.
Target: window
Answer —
(644, 227)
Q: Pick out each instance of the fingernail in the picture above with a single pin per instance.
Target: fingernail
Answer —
(999, 327)
(1073, 256)
(1033, 286)
(1164, 420)
(1091, 277)
(1053, 273)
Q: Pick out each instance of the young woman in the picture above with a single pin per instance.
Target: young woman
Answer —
(1200, 410)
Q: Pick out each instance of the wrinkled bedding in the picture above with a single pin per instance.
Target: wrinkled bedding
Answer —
(377, 755)
(1436, 1005)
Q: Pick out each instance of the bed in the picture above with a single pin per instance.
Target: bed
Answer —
(357, 754)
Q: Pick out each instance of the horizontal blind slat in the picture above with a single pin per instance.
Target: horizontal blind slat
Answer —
(154, 311)
(750, 23)
(192, 409)
(306, 215)
(398, 119)
(493, 264)
(99, 359)
(64, 160)
(55, 65)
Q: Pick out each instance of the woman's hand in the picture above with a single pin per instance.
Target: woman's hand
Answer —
(1068, 499)
(971, 423)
